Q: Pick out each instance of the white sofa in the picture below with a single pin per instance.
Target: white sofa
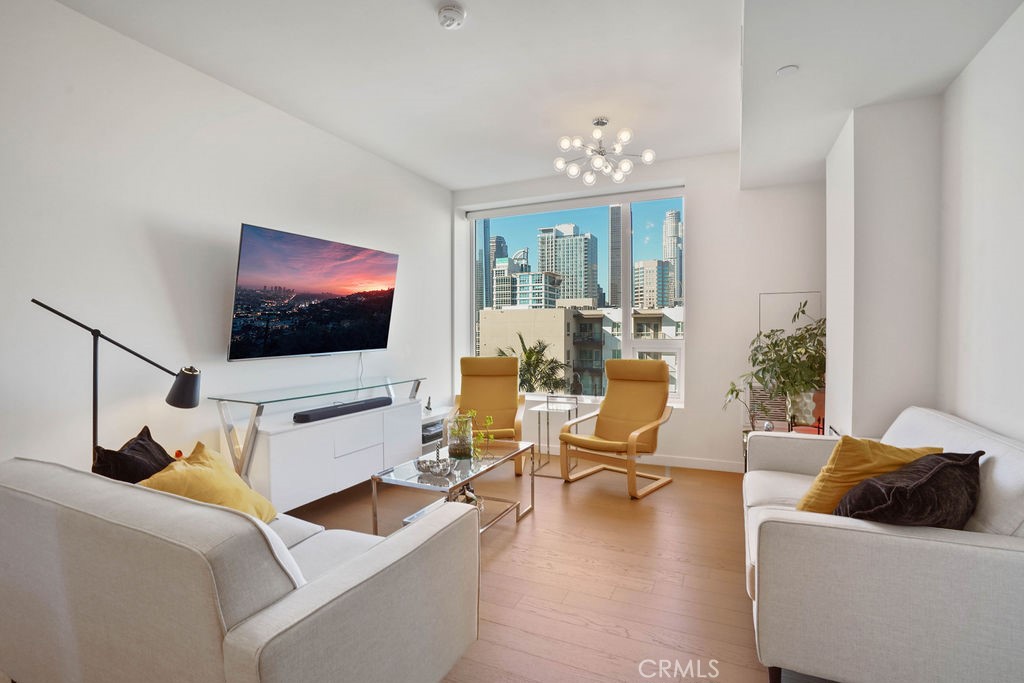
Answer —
(106, 581)
(856, 601)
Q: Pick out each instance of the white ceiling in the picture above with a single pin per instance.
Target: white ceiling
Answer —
(484, 105)
(470, 108)
(851, 53)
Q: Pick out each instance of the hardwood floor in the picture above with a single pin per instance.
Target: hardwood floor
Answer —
(592, 583)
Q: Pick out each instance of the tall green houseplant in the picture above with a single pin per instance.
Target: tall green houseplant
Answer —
(785, 364)
(537, 370)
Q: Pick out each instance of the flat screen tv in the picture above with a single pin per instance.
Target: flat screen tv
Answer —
(303, 296)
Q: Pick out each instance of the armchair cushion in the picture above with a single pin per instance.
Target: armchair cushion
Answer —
(630, 401)
(139, 459)
(593, 443)
(490, 386)
(852, 461)
(939, 490)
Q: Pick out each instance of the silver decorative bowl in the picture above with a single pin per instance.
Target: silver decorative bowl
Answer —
(431, 465)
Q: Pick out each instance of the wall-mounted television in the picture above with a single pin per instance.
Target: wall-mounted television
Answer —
(304, 296)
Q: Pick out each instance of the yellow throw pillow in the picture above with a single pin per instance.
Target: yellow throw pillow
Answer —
(852, 461)
(206, 477)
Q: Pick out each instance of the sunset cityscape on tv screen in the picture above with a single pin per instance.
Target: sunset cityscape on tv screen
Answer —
(298, 295)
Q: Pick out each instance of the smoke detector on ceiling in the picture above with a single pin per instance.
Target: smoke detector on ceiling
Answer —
(451, 17)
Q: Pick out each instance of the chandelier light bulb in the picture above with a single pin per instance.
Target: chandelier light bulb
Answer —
(624, 136)
(626, 166)
(597, 162)
(617, 148)
(598, 133)
(618, 176)
(573, 170)
(577, 142)
(647, 156)
(559, 164)
(606, 169)
(589, 151)
(589, 178)
(564, 143)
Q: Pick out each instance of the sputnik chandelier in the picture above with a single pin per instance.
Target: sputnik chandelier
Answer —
(596, 158)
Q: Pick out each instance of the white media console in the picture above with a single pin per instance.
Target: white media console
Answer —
(293, 464)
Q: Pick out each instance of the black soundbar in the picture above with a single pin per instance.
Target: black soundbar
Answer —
(341, 409)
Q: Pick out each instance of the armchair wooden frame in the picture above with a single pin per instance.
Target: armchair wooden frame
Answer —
(621, 462)
(517, 426)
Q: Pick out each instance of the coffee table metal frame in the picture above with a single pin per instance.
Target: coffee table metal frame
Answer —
(466, 471)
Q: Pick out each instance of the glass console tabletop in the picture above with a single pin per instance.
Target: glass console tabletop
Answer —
(466, 470)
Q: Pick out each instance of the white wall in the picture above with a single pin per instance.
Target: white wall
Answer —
(738, 243)
(839, 260)
(124, 176)
(884, 261)
(982, 367)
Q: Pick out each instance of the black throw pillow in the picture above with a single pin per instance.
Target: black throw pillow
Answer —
(138, 459)
(939, 490)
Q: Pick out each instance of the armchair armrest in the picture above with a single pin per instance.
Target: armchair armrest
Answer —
(520, 412)
(635, 434)
(788, 452)
(853, 600)
(376, 617)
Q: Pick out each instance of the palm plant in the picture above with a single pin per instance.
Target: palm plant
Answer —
(537, 370)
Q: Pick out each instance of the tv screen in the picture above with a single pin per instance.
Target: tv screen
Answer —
(303, 296)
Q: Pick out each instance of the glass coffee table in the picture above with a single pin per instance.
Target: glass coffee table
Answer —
(498, 453)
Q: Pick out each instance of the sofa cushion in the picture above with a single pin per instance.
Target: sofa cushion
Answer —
(140, 458)
(852, 461)
(939, 490)
(293, 530)
(1001, 501)
(206, 477)
(326, 550)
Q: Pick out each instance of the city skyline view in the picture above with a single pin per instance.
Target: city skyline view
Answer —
(521, 231)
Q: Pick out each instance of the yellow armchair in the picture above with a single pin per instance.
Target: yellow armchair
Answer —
(634, 407)
(490, 386)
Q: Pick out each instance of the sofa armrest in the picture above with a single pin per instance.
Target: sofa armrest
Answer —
(405, 610)
(788, 452)
(852, 600)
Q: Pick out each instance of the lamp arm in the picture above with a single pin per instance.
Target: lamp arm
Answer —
(96, 333)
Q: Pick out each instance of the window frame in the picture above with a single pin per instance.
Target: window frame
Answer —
(630, 347)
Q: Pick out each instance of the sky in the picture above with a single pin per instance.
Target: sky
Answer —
(521, 231)
(307, 264)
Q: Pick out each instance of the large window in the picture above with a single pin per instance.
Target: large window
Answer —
(580, 284)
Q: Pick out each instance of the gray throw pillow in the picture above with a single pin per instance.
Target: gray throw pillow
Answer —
(939, 490)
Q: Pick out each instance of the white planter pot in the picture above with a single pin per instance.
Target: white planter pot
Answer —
(800, 408)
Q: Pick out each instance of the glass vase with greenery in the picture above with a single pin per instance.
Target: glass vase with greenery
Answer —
(784, 364)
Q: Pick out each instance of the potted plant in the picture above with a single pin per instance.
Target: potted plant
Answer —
(537, 370)
(790, 365)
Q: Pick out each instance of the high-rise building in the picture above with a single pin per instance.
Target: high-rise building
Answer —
(652, 282)
(504, 284)
(537, 290)
(672, 251)
(496, 248)
(482, 278)
(564, 250)
(614, 256)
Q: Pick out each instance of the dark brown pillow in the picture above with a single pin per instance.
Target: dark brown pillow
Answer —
(139, 459)
(938, 490)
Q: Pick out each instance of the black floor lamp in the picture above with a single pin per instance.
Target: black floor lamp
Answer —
(184, 392)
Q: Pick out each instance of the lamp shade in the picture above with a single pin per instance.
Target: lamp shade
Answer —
(184, 392)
